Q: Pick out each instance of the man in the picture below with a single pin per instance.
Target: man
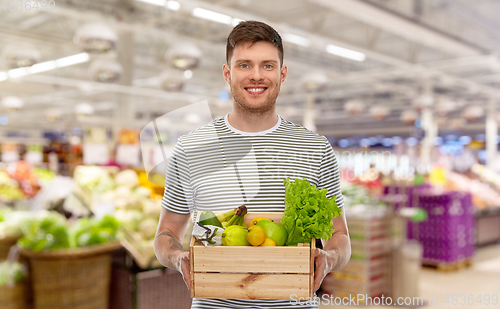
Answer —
(243, 158)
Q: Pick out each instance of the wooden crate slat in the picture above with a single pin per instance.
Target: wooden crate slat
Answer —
(252, 259)
(251, 286)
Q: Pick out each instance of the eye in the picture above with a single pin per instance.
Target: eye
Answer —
(268, 66)
(244, 66)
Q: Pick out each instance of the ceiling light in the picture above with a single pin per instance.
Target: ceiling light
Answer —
(84, 109)
(188, 74)
(380, 111)
(12, 103)
(42, 67)
(314, 81)
(96, 38)
(409, 116)
(54, 115)
(45, 66)
(18, 72)
(213, 16)
(354, 107)
(171, 80)
(173, 5)
(71, 60)
(236, 21)
(18, 55)
(106, 70)
(184, 56)
(154, 2)
(346, 53)
(296, 39)
(473, 112)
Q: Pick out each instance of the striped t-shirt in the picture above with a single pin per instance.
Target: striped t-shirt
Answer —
(218, 168)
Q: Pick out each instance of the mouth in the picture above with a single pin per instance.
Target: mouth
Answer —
(256, 90)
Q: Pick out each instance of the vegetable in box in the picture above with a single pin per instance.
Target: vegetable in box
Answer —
(308, 212)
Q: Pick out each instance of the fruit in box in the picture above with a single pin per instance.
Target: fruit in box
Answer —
(268, 243)
(256, 235)
(256, 220)
(274, 231)
(235, 235)
(207, 217)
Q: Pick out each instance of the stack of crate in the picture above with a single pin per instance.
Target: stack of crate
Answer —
(368, 271)
(449, 233)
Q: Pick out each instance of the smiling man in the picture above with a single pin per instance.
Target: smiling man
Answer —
(242, 158)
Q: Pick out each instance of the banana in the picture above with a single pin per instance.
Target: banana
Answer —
(224, 217)
(239, 213)
(242, 222)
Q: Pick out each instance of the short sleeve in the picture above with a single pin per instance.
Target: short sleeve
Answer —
(329, 176)
(177, 196)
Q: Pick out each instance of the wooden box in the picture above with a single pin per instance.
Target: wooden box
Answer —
(246, 272)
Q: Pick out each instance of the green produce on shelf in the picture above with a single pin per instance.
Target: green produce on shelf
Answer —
(127, 178)
(9, 193)
(92, 231)
(94, 178)
(4, 212)
(51, 232)
(44, 175)
(13, 223)
(129, 218)
(11, 273)
(48, 233)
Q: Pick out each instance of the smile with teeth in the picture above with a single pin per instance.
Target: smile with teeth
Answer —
(255, 90)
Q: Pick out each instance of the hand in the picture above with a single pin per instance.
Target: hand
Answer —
(322, 261)
(183, 266)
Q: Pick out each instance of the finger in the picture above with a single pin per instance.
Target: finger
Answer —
(318, 278)
(317, 252)
(186, 276)
(319, 273)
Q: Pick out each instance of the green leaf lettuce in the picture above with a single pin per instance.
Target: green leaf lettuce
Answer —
(308, 212)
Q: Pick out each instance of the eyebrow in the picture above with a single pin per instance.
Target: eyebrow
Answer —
(265, 61)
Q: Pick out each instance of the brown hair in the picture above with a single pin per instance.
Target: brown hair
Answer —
(252, 31)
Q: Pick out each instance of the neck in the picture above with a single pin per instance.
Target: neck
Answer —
(252, 122)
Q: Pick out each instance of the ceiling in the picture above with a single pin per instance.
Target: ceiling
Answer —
(446, 48)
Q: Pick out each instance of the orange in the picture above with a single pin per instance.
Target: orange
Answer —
(256, 220)
(268, 242)
(256, 235)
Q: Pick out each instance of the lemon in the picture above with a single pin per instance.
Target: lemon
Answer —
(268, 242)
(256, 235)
(256, 220)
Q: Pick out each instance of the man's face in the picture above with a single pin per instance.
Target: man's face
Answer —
(255, 76)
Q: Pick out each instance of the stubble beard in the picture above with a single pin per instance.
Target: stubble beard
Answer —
(247, 109)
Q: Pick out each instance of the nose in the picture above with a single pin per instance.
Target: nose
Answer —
(256, 74)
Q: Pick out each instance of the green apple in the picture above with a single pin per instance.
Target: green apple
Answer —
(274, 231)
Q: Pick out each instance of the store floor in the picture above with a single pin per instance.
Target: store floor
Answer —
(482, 279)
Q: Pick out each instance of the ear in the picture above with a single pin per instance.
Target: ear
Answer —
(284, 72)
(227, 73)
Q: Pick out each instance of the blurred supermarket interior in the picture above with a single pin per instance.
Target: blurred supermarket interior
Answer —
(406, 91)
